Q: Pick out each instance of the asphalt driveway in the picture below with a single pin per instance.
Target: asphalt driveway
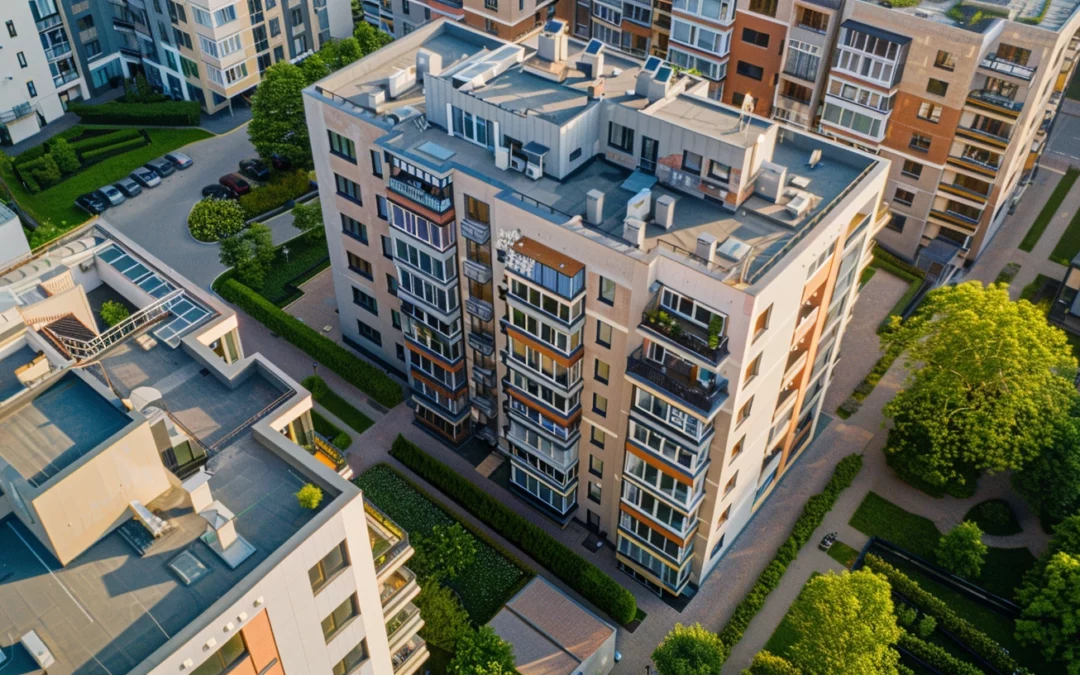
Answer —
(157, 218)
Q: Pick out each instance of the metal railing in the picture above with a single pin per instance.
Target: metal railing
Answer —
(391, 588)
(85, 349)
(48, 22)
(418, 195)
(480, 308)
(404, 656)
(683, 332)
(692, 392)
(982, 133)
(323, 446)
(999, 65)
(395, 538)
(975, 162)
(58, 50)
(17, 112)
(996, 100)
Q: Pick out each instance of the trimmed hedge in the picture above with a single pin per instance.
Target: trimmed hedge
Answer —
(357, 372)
(339, 407)
(105, 140)
(811, 517)
(338, 438)
(949, 620)
(276, 193)
(169, 113)
(936, 656)
(114, 149)
(580, 574)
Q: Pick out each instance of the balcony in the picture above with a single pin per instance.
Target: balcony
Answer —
(965, 192)
(955, 218)
(480, 309)
(410, 656)
(984, 168)
(327, 453)
(674, 378)
(88, 34)
(478, 272)
(389, 543)
(808, 316)
(476, 231)
(51, 21)
(16, 113)
(420, 196)
(483, 376)
(983, 136)
(63, 78)
(795, 363)
(482, 342)
(486, 405)
(123, 25)
(398, 586)
(674, 329)
(999, 65)
(58, 51)
(403, 624)
(982, 98)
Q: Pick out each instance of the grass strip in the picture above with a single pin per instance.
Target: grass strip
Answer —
(339, 407)
(1061, 190)
(338, 438)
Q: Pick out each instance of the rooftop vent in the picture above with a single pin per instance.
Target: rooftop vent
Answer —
(639, 205)
(487, 67)
(733, 248)
(401, 81)
(665, 211)
(553, 41)
(428, 63)
(187, 568)
(592, 59)
(594, 207)
(706, 247)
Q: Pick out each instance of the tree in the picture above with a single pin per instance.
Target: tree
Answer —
(988, 381)
(64, 155)
(314, 68)
(277, 122)
(48, 173)
(445, 620)
(250, 253)
(961, 550)
(690, 650)
(1051, 611)
(345, 52)
(309, 497)
(1051, 482)
(845, 624)
(370, 38)
(214, 219)
(482, 651)
(767, 663)
(444, 552)
(113, 312)
(308, 217)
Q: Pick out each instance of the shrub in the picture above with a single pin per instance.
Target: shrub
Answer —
(339, 407)
(113, 312)
(443, 553)
(581, 575)
(310, 496)
(445, 620)
(276, 193)
(766, 663)
(480, 652)
(338, 438)
(812, 515)
(906, 615)
(104, 140)
(995, 517)
(99, 154)
(927, 625)
(961, 550)
(166, 113)
(936, 656)
(215, 219)
(357, 372)
(49, 172)
(690, 650)
(64, 156)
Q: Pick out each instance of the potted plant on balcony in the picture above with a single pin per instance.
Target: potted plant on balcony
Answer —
(716, 325)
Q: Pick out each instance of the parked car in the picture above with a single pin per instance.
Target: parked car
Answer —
(111, 195)
(254, 169)
(280, 162)
(179, 160)
(91, 203)
(237, 184)
(161, 167)
(147, 178)
(129, 186)
(217, 192)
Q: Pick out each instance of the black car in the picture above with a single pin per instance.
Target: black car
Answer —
(280, 162)
(91, 203)
(161, 167)
(217, 192)
(254, 169)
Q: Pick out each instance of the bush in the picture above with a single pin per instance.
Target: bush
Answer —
(105, 140)
(949, 620)
(995, 517)
(926, 627)
(338, 438)
(339, 407)
(357, 372)
(98, 154)
(167, 113)
(812, 515)
(215, 219)
(961, 550)
(64, 156)
(276, 193)
(49, 172)
(581, 575)
(113, 312)
(906, 615)
(690, 650)
(445, 620)
(766, 663)
(936, 656)
(310, 496)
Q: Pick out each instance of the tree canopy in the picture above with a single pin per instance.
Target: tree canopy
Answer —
(445, 620)
(444, 552)
(690, 650)
(250, 252)
(1051, 482)
(308, 216)
(370, 37)
(277, 122)
(961, 550)
(1051, 610)
(482, 651)
(989, 382)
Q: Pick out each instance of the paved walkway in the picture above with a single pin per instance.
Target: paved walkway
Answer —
(317, 307)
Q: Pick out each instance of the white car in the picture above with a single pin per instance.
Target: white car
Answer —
(147, 178)
(114, 196)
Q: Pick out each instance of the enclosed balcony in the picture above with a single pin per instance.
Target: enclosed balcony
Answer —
(476, 271)
(433, 193)
(403, 624)
(480, 308)
(389, 543)
(700, 389)
(982, 98)
(1005, 67)
(677, 331)
(486, 405)
(328, 454)
(396, 588)
(410, 656)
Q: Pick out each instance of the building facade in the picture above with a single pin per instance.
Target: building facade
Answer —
(636, 296)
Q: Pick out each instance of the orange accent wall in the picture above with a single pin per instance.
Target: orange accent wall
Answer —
(261, 646)
(904, 121)
(561, 419)
(768, 58)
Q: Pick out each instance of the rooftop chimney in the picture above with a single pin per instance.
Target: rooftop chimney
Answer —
(553, 43)
(665, 211)
(594, 207)
(706, 247)
(634, 232)
(222, 522)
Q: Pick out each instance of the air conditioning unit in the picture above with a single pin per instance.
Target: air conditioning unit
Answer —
(534, 171)
(517, 163)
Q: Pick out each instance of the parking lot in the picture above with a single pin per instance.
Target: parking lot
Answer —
(157, 218)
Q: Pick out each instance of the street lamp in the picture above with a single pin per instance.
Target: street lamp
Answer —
(315, 369)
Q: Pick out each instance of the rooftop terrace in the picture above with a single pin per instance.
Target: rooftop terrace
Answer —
(979, 15)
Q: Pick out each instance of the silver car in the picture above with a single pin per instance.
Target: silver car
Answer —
(147, 178)
(128, 186)
(112, 195)
(179, 160)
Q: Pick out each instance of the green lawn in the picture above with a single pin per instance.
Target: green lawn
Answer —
(1007, 274)
(842, 553)
(786, 634)
(486, 584)
(1069, 244)
(307, 257)
(877, 516)
(339, 407)
(994, 516)
(1049, 209)
(55, 208)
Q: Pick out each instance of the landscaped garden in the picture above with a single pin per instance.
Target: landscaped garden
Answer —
(1046, 214)
(339, 407)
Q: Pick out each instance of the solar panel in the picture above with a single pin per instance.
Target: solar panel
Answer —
(664, 74)
(652, 63)
(553, 26)
(594, 46)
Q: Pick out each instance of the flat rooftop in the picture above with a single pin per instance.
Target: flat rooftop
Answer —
(46, 434)
(110, 608)
(979, 16)
(9, 383)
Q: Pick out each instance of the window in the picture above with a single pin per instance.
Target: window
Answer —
(737, 449)
(803, 60)
(489, 26)
(904, 197)
(929, 112)
(761, 324)
(202, 17)
(376, 163)
(477, 210)
(387, 246)
(359, 265)
(190, 68)
(945, 61)
(744, 411)
(691, 162)
(354, 228)
(297, 17)
(731, 484)
(620, 137)
(22, 59)
(809, 19)
(603, 334)
(911, 169)
(395, 316)
(612, 16)
(405, 6)
(369, 333)
(348, 189)
(341, 615)
(766, 7)
(920, 143)
(752, 369)
(796, 92)
(849, 119)
(751, 36)
(222, 660)
(275, 27)
(11, 29)
(391, 287)
(366, 301)
(31, 88)
(352, 660)
(602, 371)
(381, 207)
(332, 563)
(607, 291)
(596, 468)
(594, 491)
(896, 223)
(342, 147)
(749, 70)
(599, 404)
(236, 73)
(718, 547)
(718, 171)
(937, 87)
(597, 437)
(279, 52)
(93, 48)
(400, 350)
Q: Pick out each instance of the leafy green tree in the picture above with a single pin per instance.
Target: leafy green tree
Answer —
(64, 155)
(846, 624)
(1051, 482)
(113, 312)
(444, 552)
(445, 620)
(961, 550)
(277, 122)
(215, 219)
(370, 37)
(767, 663)
(308, 217)
(1051, 610)
(989, 380)
(309, 497)
(345, 52)
(314, 68)
(927, 626)
(690, 650)
(250, 253)
(482, 651)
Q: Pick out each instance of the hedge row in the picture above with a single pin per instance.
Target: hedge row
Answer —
(105, 140)
(811, 517)
(580, 574)
(338, 438)
(949, 620)
(114, 149)
(359, 373)
(275, 194)
(170, 113)
(936, 656)
(883, 256)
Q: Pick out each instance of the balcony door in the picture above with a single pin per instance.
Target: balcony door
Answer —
(649, 148)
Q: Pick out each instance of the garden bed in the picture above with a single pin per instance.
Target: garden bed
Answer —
(338, 407)
(308, 255)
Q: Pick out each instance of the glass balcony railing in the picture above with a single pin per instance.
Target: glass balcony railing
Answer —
(996, 100)
(675, 379)
(396, 586)
(48, 22)
(397, 626)
(18, 112)
(58, 50)
(388, 541)
(420, 196)
(411, 653)
(1000, 65)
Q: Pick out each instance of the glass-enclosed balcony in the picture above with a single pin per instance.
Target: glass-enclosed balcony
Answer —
(398, 585)
(410, 656)
(697, 387)
(403, 624)
(702, 338)
(389, 543)
(433, 193)
(994, 101)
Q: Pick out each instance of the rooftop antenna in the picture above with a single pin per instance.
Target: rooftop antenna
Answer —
(746, 112)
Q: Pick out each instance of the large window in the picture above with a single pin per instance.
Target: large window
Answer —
(441, 237)
(356, 656)
(803, 60)
(607, 291)
(621, 137)
(766, 7)
(756, 38)
(354, 228)
(332, 563)
(223, 659)
(341, 615)
(341, 146)
(700, 38)
(348, 189)
(863, 124)
(366, 301)
(477, 210)
(750, 70)
(717, 10)
(225, 15)
(474, 128)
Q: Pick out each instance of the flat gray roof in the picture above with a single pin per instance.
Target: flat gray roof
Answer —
(978, 19)
(9, 383)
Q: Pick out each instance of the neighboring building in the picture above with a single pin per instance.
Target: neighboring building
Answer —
(13, 244)
(635, 291)
(1065, 312)
(553, 635)
(506, 19)
(149, 521)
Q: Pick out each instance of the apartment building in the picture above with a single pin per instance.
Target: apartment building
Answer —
(635, 292)
(506, 19)
(149, 521)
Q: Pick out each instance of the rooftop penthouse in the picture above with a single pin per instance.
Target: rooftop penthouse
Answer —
(552, 122)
